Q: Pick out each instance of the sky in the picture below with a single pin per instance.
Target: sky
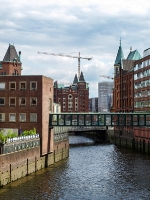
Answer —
(91, 27)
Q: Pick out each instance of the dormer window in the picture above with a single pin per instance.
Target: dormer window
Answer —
(15, 62)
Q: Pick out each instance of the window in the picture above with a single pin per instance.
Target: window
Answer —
(33, 85)
(2, 117)
(22, 117)
(50, 104)
(2, 86)
(3, 73)
(12, 86)
(33, 101)
(2, 101)
(22, 101)
(22, 85)
(12, 101)
(33, 117)
(12, 117)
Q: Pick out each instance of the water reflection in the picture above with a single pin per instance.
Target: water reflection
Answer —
(94, 172)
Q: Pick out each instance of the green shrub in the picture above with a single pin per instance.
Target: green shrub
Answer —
(30, 132)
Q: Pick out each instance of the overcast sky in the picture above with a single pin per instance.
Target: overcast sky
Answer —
(91, 27)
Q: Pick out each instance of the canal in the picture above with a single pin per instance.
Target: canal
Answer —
(92, 172)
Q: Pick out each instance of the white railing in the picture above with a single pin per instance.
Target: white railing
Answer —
(20, 138)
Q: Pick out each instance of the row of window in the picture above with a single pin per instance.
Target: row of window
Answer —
(22, 85)
(64, 109)
(22, 117)
(142, 64)
(142, 84)
(142, 74)
(22, 101)
(141, 104)
(144, 93)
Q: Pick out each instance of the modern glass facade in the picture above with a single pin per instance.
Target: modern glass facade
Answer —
(105, 91)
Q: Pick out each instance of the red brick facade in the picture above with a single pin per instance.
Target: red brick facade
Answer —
(26, 107)
(74, 98)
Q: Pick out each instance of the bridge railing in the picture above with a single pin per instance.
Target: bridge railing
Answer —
(99, 119)
(88, 128)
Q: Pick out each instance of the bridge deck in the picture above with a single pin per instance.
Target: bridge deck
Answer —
(99, 119)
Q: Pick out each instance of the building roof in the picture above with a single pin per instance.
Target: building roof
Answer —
(119, 56)
(81, 79)
(75, 79)
(127, 64)
(11, 54)
(134, 55)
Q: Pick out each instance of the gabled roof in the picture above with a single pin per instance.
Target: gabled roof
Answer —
(81, 79)
(134, 55)
(75, 79)
(11, 54)
(119, 56)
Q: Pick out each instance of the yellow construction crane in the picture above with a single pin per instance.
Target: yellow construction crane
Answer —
(54, 54)
(104, 76)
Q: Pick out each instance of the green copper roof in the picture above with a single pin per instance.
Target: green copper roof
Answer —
(119, 55)
(134, 55)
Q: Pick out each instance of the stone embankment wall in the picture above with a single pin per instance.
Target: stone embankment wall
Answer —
(21, 163)
(138, 145)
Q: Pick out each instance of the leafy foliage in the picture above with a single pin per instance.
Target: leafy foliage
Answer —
(10, 134)
(30, 132)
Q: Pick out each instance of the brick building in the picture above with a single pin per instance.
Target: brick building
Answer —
(11, 63)
(142, 93)
(22, 97)
(123, 92)
(74, 98)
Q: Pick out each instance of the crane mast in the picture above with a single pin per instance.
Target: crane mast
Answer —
(54, 54)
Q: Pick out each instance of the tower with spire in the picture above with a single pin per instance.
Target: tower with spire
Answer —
(118, 61)
(11, 63)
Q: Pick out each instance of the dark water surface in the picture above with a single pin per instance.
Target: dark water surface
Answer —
(92, 172)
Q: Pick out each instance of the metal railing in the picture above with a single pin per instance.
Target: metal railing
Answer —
(20, 143)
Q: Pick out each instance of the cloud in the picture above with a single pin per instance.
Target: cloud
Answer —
(92, 28)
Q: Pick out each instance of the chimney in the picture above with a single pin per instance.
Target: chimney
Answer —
(20, 56)
(130, 49)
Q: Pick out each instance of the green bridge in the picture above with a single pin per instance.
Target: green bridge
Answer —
(99, 119)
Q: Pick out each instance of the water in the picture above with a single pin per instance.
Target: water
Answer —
(92, 172)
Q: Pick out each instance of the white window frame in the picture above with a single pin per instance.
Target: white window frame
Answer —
(20, 85)
(20, 117)
(20, 99)
(4, 101)
(11, 88)
(33, 88)
(14, 114)
(35, 115)
(31, 103)
(2, 85)
(2, 117)
(12, 104)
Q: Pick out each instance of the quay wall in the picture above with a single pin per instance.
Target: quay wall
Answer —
(134, 143)
(18, 164)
